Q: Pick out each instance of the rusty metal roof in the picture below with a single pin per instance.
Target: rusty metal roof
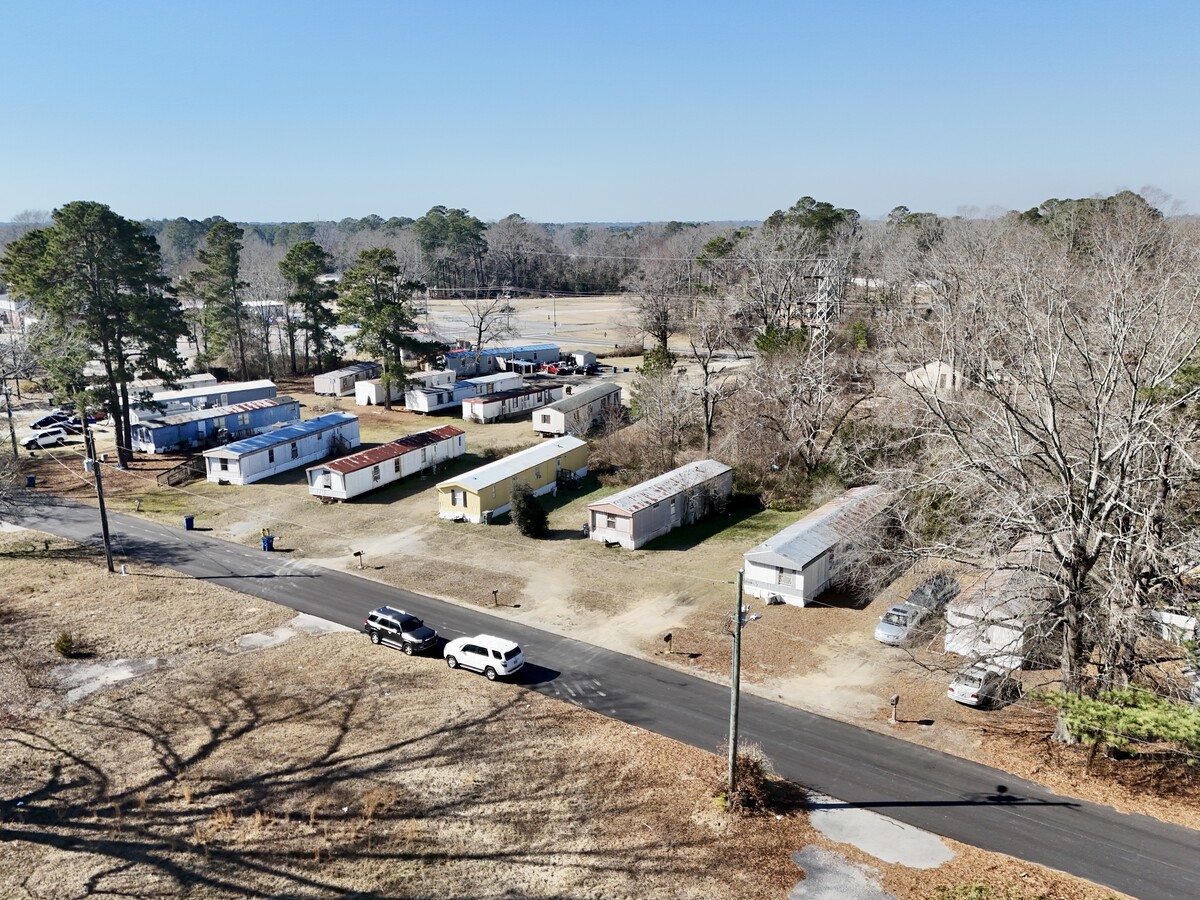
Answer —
(825, 527)
(663, 487)
(393, 449)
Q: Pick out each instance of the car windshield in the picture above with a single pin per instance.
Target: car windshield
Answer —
(410, 623)
(894, 618)
(513, 653)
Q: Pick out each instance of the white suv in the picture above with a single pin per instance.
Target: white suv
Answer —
(492, 656)
(47, 437)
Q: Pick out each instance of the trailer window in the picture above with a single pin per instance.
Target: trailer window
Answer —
(271, 455)
(295, 450)
(397, 465)
(375, 473)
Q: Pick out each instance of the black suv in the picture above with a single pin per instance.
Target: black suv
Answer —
(397, 628)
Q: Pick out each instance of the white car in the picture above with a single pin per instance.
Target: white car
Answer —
(981, 685)
(898, 623)
(484, 653)
(47, 437)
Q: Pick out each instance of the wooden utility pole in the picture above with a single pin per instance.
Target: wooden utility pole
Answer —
(735, 689)
(12, 432)
(89, 448)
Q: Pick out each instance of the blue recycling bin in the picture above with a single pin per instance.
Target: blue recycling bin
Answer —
(189, 522)
(268, 542)
(30, 481)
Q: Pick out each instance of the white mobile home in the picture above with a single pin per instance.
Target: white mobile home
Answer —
(281, 449)
(346, 478)
(1000, 616)
(577, 413)
(341, 382)
(648, 510)
(801, 561)
(370, 392)
(432, 399)
(507, 404)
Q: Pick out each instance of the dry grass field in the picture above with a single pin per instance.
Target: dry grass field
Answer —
(324, 766)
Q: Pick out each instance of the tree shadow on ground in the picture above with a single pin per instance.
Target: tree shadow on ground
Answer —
(688, 536)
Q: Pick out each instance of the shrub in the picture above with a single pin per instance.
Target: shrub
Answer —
(64, 645)
(528, 514)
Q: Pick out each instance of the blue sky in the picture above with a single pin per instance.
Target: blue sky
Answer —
(569, 111)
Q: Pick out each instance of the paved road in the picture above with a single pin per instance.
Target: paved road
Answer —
(952, 797)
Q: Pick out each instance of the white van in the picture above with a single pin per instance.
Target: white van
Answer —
(484, 653)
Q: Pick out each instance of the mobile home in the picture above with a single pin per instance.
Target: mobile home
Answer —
(204, 397)
(499, 359)
(483, 493)
(168, 433)
(371, 393)
(648, 510)
(507, 404)
(288, 447)
(346, 478)
(577, 413)
(433, 399)
(341, 382)
(801, 561)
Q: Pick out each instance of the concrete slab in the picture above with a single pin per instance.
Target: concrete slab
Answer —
(316, 625)
(260, 640)
(85, 678)
(830, 876)
(884, 838)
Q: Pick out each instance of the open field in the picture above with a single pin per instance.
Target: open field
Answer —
(322, 765)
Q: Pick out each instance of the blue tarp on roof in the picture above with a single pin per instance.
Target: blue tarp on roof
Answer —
(287, 433)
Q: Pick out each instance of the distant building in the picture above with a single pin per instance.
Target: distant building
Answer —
(499, 359)
(202, 397)
(639, 514)
(509, 404)
(801, 561)
(370, 392)
(450, 396)
(936, 377)
(289, 447)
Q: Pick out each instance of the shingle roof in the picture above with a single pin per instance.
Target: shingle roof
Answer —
(393, 449)
(825, 527)
(545, 452)
(282, 435)
(664, 486)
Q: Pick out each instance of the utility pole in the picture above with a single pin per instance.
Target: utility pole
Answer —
(12, 432)
(735, 690)
(89, 445)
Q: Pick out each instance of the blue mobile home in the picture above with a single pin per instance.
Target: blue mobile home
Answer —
(206, 397)
(500, 359)
(168, 432)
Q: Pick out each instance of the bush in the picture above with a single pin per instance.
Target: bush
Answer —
(64, 645)
(756, 789)
(528, 514)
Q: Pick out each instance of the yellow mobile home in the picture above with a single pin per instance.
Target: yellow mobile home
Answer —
(485, 492)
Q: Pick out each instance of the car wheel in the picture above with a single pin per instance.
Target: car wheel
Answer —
(490, 673)
(374, 637)
(407, 648)
(452, 662)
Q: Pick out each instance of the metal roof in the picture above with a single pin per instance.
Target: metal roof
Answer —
(352, 369)
(1016, 587)
(664, 487)
(212, 390)
(823, 528)
(584, 397)
(545, 452)
(499, 396)
(392, 449)
(213, 412)
(283, 435)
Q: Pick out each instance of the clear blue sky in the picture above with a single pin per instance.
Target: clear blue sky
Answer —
(578, 111)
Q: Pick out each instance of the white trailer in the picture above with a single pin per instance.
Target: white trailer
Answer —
(448, 396)
(370, 392)
(350, 476)
(289, 447)
(341, 382)
(508, 404)
(577, 413)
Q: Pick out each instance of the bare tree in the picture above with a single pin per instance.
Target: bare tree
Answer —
(666, 409)
(712, 335)
(489, 319)
(1078, 341)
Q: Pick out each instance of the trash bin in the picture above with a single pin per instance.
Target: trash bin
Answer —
(30, 481)
(268, 542)
(189, 522)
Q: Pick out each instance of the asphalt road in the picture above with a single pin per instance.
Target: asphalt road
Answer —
(943, 794)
